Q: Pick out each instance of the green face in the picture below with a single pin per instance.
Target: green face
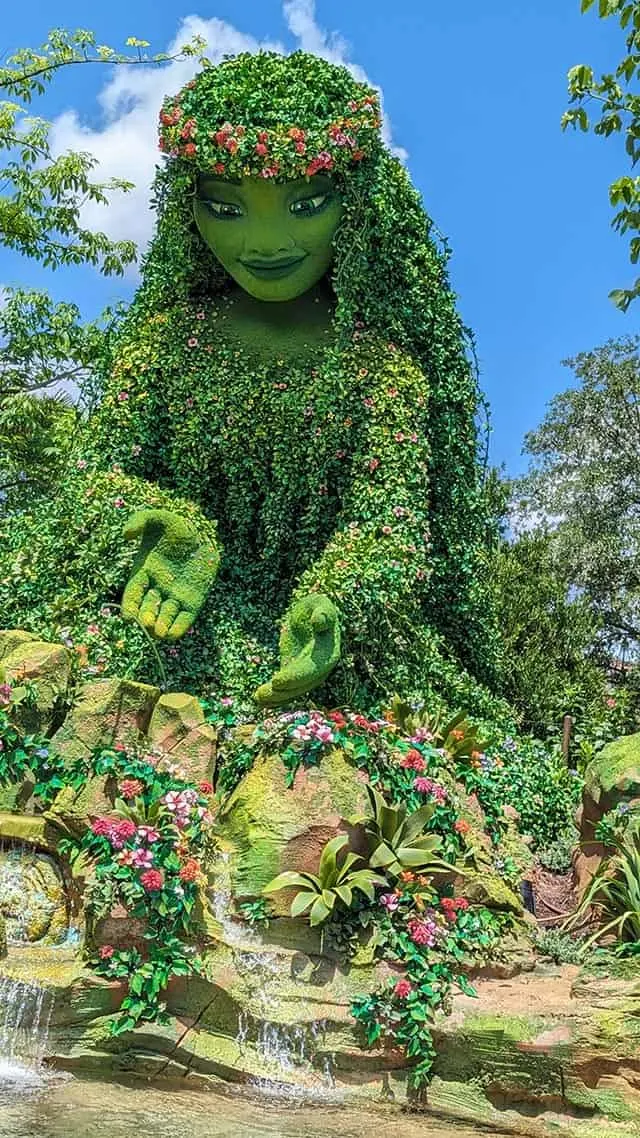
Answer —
(274, 239)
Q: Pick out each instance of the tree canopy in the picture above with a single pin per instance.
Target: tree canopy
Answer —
(609, 104)
(584, 483)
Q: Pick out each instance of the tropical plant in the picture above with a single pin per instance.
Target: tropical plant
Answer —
(397, 839)
(334, 883)
(615, 892)
(456, 734)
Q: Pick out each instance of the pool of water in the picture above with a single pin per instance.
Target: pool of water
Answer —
(32, 1106)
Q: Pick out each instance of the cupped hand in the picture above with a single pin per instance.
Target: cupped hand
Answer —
(171, 575)
(309, 650)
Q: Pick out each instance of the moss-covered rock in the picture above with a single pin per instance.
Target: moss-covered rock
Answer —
(33, 899)
(269, 827)
(178, 727)
(48, 668)
(612, 777)
(107, 712)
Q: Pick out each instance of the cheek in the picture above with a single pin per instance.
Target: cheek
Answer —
(319, 240)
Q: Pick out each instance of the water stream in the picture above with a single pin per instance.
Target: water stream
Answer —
(74, 1108)
(25, 1012)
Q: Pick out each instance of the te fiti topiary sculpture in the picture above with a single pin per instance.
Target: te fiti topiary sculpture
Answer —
(289, 418)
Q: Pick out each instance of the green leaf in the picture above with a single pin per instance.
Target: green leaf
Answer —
(301, 903)
(319, 912)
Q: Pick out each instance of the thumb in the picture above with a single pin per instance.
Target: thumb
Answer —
(141, 521)
(135, 525)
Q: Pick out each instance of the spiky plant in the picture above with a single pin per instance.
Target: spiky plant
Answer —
(333, 884)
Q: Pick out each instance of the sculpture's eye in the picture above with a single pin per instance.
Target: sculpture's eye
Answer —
(223, 210)
(310, 205)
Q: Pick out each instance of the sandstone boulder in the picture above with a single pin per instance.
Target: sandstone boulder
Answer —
(269, 827)
(48, 667)
(611, 779)
(178, 728)
(107, 712)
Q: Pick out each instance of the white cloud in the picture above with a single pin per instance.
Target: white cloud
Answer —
(125, 145)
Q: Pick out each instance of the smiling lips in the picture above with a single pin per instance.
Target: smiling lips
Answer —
(271, 270)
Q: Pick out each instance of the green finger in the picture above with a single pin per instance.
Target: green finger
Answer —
(150, 608)
(181, 624)
(166, 617)
(133, 594)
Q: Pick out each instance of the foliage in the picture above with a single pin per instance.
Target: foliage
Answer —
(26, 757)
(43, 194)
(147, 855)
(522, 774)
(397, 839)
(557, 855)
(550, 634)
(562, 948)
(45, 347)
(334, 883)
(370, 442)
(614, 890)
(256, 912)
(456, 733)
(432, 938)
(584, 478)
(617, 104)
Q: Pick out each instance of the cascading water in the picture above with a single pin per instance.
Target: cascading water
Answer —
(25, 1014)
(281, 1048)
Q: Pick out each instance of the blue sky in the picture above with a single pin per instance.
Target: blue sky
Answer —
(474, 92)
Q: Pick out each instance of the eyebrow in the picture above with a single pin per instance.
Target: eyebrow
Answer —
(209, 182)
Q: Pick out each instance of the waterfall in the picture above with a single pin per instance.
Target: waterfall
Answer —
(25, 1013)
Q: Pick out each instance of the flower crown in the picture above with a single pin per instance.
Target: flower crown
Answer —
(282, 151)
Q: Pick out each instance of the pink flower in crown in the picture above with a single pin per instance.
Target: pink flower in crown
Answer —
(302, 732)
(324, 733)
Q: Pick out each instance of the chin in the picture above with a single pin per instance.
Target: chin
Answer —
(273, 293)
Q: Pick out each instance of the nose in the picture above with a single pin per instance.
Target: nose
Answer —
(268, 241)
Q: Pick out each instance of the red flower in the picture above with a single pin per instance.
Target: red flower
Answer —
(189, 150)
(261, 149)
(131, 787)
(219, 168)
(461, 827)
(205, 787)
(374, 464)
(338, 718)
(413, 761)
(403, 989)
(102, 827)
(152, 880)
(106, 951)
(190, 870)
(125, 829)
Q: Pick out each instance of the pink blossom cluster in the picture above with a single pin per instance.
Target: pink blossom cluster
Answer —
(390, 901)
(180, 803)
(423, 931)
(116, 832)
(315, 728)
(433, 789)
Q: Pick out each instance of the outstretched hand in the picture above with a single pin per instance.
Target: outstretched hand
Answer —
(171, 575)
(309, 650)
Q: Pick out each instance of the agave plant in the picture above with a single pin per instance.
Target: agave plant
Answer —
(334, 883)
(397, 840)
(615, 891)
